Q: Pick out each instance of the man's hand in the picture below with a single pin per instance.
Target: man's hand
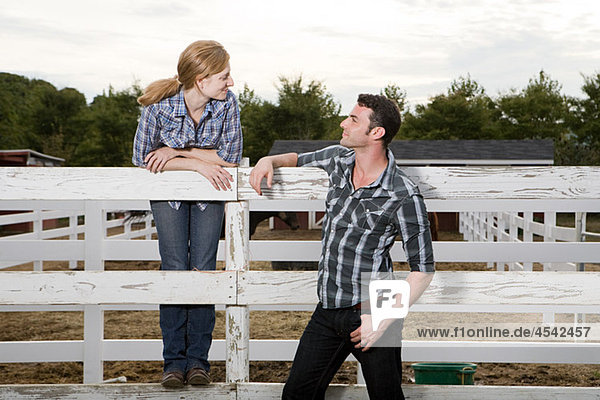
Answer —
(364, 336)
(157, 159)
(263, 169)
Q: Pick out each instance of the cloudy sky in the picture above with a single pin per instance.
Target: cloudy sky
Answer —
(352, 46)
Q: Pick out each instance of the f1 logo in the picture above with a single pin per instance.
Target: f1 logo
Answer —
(389, 300)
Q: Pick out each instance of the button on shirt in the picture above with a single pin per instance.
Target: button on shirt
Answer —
(361, 225)
(167, 123)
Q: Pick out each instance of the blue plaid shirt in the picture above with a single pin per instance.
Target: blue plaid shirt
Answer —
(167, 123)
(361, 225)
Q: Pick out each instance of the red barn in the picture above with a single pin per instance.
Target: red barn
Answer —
(27, 158)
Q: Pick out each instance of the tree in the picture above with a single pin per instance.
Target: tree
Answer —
(16, 118)
(394, 92)
(305, 113)
(35, 115)
(56, 117)
(538, 111)
(12, 95)
(257, 126)
(584, 144)
(108, 142)
(11, 132)
(302, 112)
(465, 112)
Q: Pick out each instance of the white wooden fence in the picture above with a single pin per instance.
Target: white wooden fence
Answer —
(505, 226)
(38, 214)
(98, 190)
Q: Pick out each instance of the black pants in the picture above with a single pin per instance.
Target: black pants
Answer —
(324, 346)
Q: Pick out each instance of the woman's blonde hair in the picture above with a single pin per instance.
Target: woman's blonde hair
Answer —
(198, 61)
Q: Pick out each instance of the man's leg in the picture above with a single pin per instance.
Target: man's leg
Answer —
(382, 367)
(321, 351)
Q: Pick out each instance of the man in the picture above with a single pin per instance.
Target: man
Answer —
(370, 202)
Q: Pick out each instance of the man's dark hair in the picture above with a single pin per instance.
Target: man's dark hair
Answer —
(385, 113)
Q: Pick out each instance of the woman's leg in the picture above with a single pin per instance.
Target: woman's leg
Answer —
(172, 227)
(205, 230)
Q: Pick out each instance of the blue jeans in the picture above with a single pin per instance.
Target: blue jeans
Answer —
(324, 346)
(188, 239)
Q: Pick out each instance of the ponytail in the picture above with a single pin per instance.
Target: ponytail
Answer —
(159, 90)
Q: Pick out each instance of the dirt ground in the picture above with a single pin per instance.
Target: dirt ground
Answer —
(19, 326)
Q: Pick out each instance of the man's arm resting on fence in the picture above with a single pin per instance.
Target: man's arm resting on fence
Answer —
(264, 168)
(419, 282)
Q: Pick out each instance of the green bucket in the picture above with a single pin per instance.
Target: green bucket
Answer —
(444, 373)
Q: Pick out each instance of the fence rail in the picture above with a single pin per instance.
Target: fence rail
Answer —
(272, 391)
(94, 192)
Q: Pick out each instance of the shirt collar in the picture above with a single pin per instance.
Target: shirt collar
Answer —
(179, 109)
(212, 106)
(386, 179)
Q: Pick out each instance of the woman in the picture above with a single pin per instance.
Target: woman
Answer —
(190, 122)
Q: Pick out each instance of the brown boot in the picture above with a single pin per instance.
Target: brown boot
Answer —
(198, 376)
(172, 380)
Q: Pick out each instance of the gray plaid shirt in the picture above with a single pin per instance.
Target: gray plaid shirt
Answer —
(360, 226)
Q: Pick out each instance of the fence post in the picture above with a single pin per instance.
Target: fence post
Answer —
(513, 233)
(580, 237)
(237, 319)
(467, 225)
(501, 225)
(549, 224)
(127, 224)
(527, 236)
(148, 225)
(73, 235)
(489, 234)
(579, 233)
(93, 328)
(38, 265)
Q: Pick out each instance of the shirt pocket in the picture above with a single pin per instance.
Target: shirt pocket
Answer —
(172, 134)
(210, 140)
(372, 216)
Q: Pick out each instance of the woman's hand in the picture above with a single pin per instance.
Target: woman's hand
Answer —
(157, 159)
(216, 175)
